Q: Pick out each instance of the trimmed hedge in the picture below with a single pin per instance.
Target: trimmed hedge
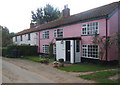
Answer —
(20, 50)
(4, 51)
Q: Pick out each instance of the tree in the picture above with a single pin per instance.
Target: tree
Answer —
(6, 36)
(104, 43)
(51, 44)
(46, 14)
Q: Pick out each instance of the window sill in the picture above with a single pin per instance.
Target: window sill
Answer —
(44, 38)
(89, 35)
(90, 57)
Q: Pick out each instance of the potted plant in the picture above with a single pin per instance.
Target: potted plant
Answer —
(55, 64)
(61, 64)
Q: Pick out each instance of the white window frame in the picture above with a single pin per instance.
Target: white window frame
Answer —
(21, 38)
(90, 27)
(15, 38)
(45, 34)
(29, 36)
(87, 55)
(45, 48)
(54, 49)
(56, 33)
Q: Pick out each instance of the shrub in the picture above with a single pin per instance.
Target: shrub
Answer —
(4, 51)
(61, 60)
(14, 50)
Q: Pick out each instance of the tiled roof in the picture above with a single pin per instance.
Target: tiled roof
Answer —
(93, 13)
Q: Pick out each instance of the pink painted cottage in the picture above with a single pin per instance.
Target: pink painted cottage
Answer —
(73, 34)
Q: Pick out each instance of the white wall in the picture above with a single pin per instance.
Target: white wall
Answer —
(25, 40)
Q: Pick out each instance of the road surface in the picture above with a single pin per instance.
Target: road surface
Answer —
(14, 74)
(25, 71)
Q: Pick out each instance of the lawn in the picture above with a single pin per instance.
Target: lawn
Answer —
(85, 67)
(37, 58)
(101, 77)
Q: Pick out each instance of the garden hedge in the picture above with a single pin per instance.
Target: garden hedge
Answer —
(20, 50)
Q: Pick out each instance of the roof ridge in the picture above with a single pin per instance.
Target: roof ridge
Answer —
(91, 13)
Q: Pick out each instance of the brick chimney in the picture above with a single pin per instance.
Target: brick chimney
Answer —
(37, 22)
(32, 25)
(66, 11)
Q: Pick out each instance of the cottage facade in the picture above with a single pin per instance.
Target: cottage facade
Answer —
(73, 35)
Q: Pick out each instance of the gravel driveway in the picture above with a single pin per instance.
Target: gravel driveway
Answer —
(47, 71)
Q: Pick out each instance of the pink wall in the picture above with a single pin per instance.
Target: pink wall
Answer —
(75, 31)
(113, 29)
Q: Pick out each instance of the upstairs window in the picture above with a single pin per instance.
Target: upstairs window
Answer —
(58, 33)
(45, 34)
(45, 48)
(90, 28)
(15, 38)
(29, 36)
(21, 37)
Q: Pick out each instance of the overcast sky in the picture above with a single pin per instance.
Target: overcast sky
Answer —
(16, 14)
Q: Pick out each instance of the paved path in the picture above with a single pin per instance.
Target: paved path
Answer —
(15, 74)
(35, 69)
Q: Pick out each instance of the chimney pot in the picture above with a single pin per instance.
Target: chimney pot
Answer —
(66, 11)
(32, 25)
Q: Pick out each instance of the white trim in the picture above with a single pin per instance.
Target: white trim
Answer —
(92, 30)
(87, 51)
(55, 33)
(45, 34)
(44, 47)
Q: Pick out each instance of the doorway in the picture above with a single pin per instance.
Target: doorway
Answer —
(68, 51)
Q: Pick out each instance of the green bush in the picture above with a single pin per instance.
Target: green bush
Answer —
(4, 51)
(14, 50)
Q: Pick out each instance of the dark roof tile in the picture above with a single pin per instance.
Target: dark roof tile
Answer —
(93, 13)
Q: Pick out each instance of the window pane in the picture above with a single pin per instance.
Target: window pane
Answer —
(77, 46)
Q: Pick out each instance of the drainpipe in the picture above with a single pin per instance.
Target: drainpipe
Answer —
(118, 33)
(39, 41)
(106, 38)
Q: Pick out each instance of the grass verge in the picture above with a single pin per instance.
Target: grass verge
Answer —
(37, 58)
(101, 77)
(85, 67)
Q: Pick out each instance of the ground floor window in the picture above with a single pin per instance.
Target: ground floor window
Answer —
(90, 51)
(54, 49)
(45, 48)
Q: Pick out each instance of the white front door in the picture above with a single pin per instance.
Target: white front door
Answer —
(60, 50)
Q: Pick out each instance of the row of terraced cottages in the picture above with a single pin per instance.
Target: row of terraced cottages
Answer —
(73, 34)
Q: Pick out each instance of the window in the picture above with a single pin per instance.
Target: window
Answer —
(21, 37)
(54, 49)
(90, 28)
(45, 34)
(45, 48)
(90, 51)
(77, 45)
(58, 33)
(29, 36)
(16, 38)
